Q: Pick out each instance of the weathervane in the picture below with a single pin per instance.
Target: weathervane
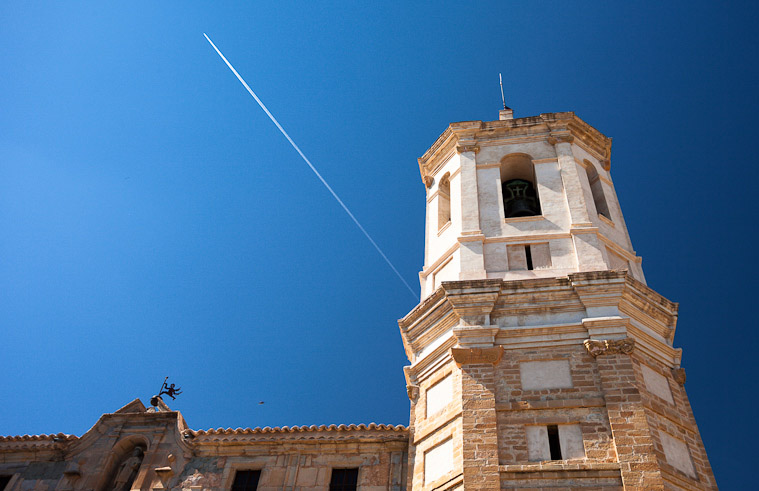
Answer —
(169, 390)
(157, 401)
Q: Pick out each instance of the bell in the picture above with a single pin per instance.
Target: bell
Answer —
(519, 199)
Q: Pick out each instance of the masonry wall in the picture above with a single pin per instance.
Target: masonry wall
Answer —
(581, 404)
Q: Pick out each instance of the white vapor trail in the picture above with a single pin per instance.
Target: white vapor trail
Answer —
(305, 159)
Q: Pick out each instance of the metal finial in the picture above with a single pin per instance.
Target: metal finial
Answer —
(503, 99)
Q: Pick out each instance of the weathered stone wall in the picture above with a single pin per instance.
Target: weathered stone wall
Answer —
(175, 457)
(673, 417)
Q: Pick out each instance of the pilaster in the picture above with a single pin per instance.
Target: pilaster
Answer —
(472, 239)
(578, 208)
(627, 417)
(479, 419)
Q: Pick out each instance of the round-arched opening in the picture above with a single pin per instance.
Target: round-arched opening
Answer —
(596, 189)
(520, 197)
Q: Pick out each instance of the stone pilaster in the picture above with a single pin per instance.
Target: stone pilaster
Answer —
(479, 421)
(472, 259)
(570, 178)
(627, 417)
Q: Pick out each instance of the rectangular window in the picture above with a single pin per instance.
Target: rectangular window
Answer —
(528, 257)
(246, 480)
(343, 480)
(554, 442)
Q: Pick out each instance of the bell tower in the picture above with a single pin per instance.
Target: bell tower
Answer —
(539, 357)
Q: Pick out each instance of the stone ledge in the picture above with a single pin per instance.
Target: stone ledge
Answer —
(550, 404)
(560, 466)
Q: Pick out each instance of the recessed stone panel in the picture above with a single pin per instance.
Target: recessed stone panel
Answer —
(677, 454)
(438, 461)
(439, 395)
(540, 375)
(657, 384)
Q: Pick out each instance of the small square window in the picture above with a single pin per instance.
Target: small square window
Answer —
(246, 480)
(343, 480)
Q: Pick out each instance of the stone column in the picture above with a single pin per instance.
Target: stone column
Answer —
(479, 422)
(627, 417)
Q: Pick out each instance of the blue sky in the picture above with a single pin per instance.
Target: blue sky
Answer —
(154, 222)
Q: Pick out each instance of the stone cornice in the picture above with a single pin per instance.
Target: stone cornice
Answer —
(472, 300)
(371, 433)
(562, 126)
(480, 313)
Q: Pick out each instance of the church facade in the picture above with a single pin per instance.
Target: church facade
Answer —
(539, 358)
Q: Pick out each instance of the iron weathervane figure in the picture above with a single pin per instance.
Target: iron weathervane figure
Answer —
(169, 390)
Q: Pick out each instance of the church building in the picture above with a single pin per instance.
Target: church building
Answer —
(538, 356)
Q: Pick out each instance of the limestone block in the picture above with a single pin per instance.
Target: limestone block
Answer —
(539, 375)
(537, 443)
(516, 257)
(438, 461)
(541, 256)
(677, 454)
(657, 384)
(439, 395)
(570, 440)
(496, 257)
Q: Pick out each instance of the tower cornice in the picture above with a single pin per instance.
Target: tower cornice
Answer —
(603, 302)
(471, 135)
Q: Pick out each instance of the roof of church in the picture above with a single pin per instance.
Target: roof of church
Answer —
(299, 429)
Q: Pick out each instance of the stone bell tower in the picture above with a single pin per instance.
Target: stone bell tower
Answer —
(539, 357)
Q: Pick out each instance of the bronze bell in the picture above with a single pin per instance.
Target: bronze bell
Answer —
(519, 199)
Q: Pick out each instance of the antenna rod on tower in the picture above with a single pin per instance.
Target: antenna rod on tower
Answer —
(503, 99)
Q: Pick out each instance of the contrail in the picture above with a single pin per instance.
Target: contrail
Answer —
(305, 159)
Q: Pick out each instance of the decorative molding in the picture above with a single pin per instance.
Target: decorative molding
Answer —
(598, 347)
(467, 148)
(413, 392)
(606, 220)
(468, 356)
(549, 160)
(428, 180)
(679, 375)
(554, 139)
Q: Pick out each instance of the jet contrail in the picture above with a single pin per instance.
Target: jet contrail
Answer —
(305, 159)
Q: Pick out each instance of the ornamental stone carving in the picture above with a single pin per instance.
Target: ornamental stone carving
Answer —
(679, 375)
(427, 181)
(467, 148)
(553, 140)
(413, 392)
(598, 347)
(468, 356)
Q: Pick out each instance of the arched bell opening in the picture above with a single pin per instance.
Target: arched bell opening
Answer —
(518, 189)
(444, 201)
(596, 188)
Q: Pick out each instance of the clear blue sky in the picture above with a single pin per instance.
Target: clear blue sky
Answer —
(154, 222)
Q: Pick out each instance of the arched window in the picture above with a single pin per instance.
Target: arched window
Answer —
(443, 201)
(520, 197)
(596, 187)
